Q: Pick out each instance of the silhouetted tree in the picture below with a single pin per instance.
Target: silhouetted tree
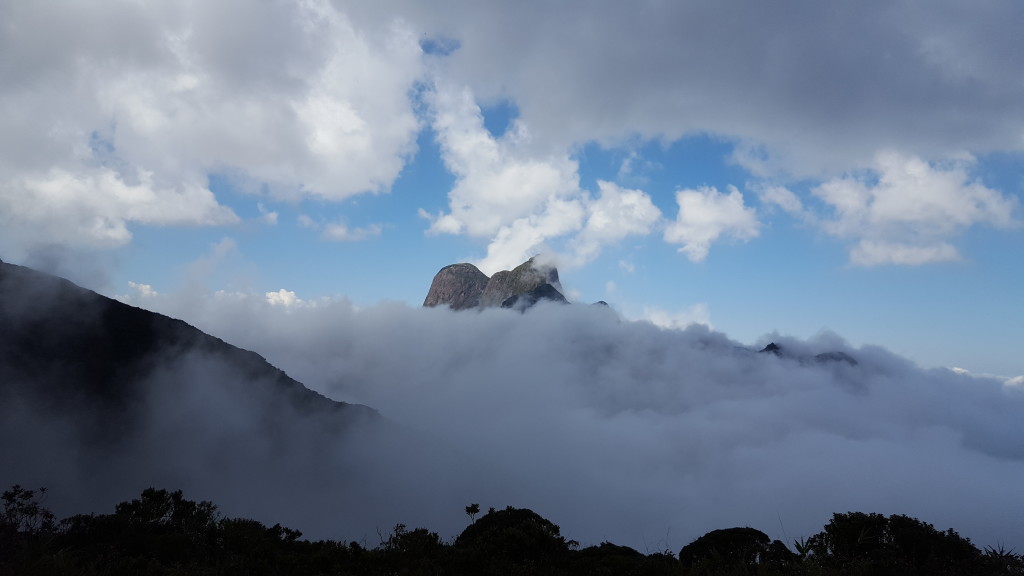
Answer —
(472, 510)
(24, 511)
(26, 527)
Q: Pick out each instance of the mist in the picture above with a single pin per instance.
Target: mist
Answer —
(622, 431)
(202, 428)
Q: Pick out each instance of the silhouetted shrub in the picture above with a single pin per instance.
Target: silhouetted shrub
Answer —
(413, 552)
(899, 545)
(162, 533)
(606, 558)
(613, 560)
(729, 548)
(511, 541)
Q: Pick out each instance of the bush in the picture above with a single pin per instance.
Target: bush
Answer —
(736, 551)
(899, 545)
(511, 541)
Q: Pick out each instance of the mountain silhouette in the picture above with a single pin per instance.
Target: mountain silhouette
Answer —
(82, 357)
(70, 344)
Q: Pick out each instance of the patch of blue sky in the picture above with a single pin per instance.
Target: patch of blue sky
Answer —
(499, 116)
(439, 46)
(661, 169)
(1002, 171)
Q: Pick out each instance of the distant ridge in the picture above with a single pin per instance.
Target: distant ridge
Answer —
(824, 357)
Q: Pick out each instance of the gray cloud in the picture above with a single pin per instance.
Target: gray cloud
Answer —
(116, 114)
(810, 89)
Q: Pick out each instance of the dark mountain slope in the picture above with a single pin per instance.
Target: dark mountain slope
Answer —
(62, 344)
(98, 398)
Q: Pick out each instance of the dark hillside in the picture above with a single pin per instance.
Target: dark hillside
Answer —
(64, 345)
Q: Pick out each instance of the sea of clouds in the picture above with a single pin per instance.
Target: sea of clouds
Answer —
(623, 431)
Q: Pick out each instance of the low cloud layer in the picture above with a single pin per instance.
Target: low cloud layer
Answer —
(641, 435)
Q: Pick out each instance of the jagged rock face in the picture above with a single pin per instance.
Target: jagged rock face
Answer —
(522, 279)
(462, 286)
(459, 286)
(527, 299)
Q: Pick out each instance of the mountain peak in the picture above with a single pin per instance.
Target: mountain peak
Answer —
(459, 286)
(462, 286)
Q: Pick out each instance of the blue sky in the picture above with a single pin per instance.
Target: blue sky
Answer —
(854, 168)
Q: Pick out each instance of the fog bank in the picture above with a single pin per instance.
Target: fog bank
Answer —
(648, 437)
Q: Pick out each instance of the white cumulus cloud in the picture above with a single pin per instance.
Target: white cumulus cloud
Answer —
(95, 206)
(615, 214)
(284, 298)
(117, 112)
(705, 215)
(907, 210)
(519, 198)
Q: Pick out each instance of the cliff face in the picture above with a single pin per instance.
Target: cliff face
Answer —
(462, 286)
(526, 299)
(522, 279)
(459, 286)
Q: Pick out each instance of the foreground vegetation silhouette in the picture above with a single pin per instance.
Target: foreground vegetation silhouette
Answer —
(163, 533)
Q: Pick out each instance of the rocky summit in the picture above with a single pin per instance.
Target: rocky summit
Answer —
(526, 299)
(458, 286)
(462, 286)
